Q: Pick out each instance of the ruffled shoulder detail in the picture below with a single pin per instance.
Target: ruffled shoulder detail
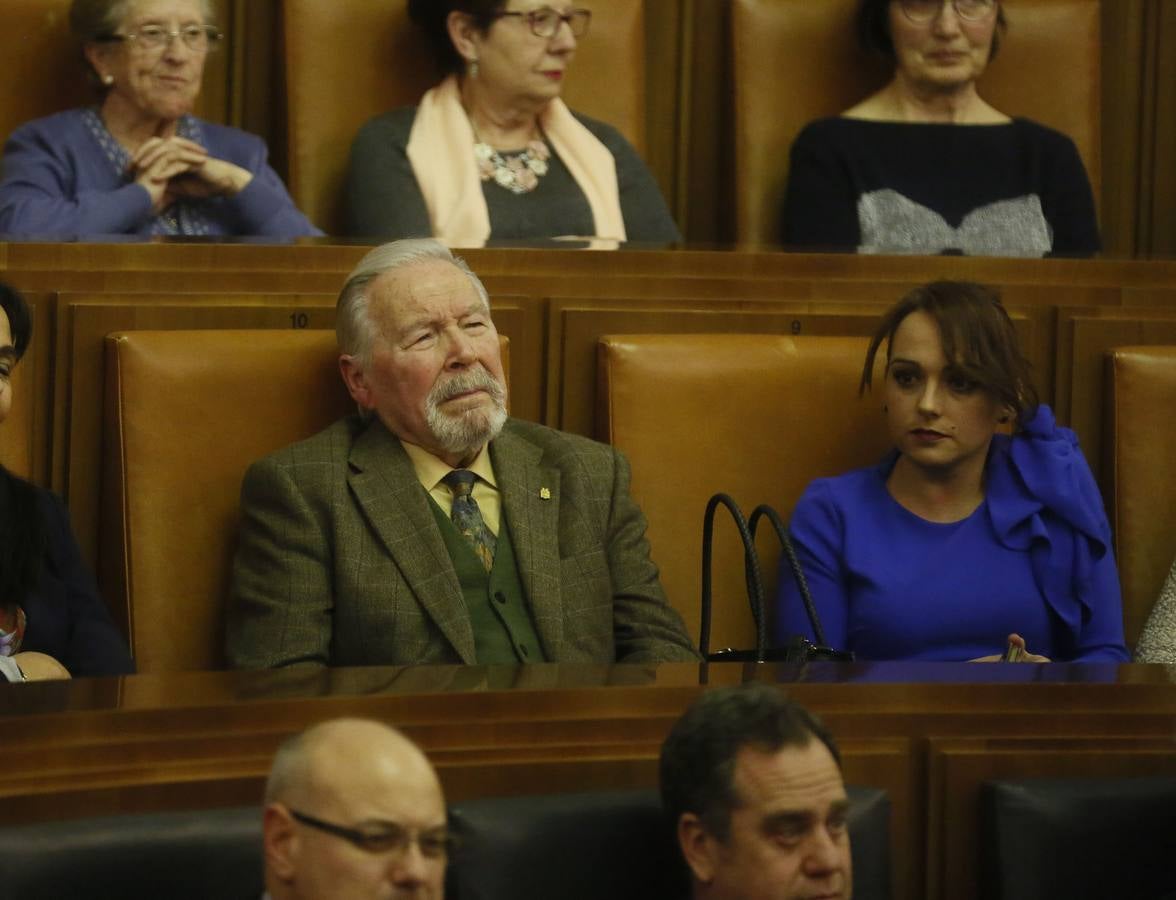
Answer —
(1042, 469)
(1042, 499)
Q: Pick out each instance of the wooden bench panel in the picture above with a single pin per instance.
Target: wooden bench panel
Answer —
(322, 256)
(1084, 338)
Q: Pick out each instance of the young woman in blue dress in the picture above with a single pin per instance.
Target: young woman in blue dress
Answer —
(964, 539)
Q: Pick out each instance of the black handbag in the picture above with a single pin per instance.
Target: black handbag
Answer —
(796, 648)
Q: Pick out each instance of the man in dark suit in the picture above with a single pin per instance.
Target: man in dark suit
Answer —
(752, 782)
(432, 528)
(345, 802)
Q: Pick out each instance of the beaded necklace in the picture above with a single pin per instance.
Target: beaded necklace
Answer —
(518, 173)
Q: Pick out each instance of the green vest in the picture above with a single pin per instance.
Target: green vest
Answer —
(503, 630)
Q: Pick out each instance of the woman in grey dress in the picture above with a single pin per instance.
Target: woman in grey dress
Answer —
(492, 152)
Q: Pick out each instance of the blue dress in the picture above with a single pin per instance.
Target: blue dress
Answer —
(65, 176)
(1034, 558)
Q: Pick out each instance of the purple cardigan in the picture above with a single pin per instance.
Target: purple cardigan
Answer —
(65, 176)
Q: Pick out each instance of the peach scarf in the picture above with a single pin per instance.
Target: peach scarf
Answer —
(441, 153)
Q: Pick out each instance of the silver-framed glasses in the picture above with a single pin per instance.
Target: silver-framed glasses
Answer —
(924, 11)
(153, 38)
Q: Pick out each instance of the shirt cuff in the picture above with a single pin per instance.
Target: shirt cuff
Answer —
(10, 669)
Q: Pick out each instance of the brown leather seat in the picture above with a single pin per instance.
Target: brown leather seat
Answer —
(755, 416)
(186, 413)
(42, 63)
(798, 60)
(350, 60)
(1141, 444)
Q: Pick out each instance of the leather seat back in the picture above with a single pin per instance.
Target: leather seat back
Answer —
(186, 413)
(755, 416)
(42, 62)
(1140, 434)
(1078, 839)
(613, 846)
(178, 855)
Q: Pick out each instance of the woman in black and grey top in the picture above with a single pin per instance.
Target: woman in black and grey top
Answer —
(925, 165)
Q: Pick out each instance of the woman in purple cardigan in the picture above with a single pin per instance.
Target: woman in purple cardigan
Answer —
(963, 541)
(139, 162)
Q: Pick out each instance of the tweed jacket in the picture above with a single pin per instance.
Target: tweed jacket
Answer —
(1157, 643)
(340, 561)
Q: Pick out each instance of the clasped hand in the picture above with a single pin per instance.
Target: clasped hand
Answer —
(175, 168)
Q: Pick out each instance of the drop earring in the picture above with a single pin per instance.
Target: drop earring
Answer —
(472, 69)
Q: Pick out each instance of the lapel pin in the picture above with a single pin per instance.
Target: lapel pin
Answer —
(544, 493)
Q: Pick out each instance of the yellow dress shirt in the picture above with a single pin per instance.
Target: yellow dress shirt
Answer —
(430, 470)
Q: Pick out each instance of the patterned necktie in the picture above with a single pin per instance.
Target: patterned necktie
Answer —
(468, 518)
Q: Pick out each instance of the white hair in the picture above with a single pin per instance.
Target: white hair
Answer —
(353, 325)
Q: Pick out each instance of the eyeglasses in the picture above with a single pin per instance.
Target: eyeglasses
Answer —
(434, 843)
(924, 11)
(150, 38)
(545, 21)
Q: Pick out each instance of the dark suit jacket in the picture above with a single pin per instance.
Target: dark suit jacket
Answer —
(340, 560)
(66, 617)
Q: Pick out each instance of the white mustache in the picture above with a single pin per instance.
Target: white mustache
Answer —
(473, 380)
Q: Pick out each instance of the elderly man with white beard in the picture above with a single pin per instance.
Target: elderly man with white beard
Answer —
(431, 527)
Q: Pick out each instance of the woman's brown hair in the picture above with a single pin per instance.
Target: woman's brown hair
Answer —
(978, 337)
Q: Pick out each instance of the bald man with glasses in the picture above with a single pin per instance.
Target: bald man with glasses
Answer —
(354, 810)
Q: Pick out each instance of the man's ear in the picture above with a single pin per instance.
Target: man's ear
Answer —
(463, 33)
(699, 848)
(355, 378)
(280, 841)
